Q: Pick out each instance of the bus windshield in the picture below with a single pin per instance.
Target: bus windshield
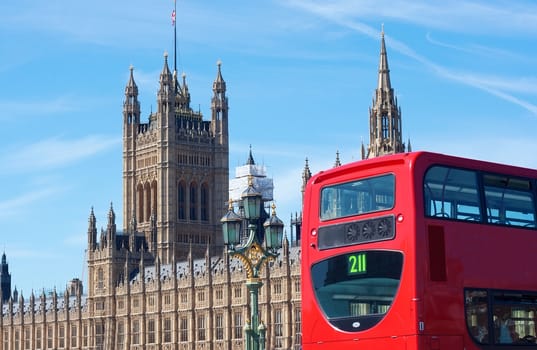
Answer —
(356, 289)
(357, 197)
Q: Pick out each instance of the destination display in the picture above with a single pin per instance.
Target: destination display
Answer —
(356, 264)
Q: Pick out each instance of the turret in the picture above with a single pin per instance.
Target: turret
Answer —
(166, 92)
(32, 306)
(131, 129)
(92, 231)
(182, 95)
(54, 301)
(21, 304)
(66, 301)
(131, 106)
(43, 302)
(111, 228)
(219, 107)
(5, 280)
(306, 175)
(337, 163)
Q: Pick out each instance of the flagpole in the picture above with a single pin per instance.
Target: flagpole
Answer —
(175, 36)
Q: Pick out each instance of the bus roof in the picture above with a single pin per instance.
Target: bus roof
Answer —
(418, 156)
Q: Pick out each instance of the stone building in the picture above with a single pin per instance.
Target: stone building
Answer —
(165, 281)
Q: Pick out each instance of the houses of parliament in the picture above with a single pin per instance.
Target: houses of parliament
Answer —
(166, 281)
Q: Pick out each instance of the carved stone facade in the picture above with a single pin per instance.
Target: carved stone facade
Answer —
(165, 281)
(194, 304)
(175, 168)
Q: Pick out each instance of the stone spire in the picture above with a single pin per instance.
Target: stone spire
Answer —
(337, 162)
(184, 94)
(219, 107)
(111, 227)
(385, 126)
(5, 281)
(131, 105)
(250, 160)
(306, 175)
(92, 231)
(166, 93)
(384, 72)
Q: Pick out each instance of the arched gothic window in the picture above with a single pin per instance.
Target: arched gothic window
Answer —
(148, 204)
(100, 279)
(154, 202)
(385, 126)
(193, 201)
(181, 201)
(140, 211)
(204, 202)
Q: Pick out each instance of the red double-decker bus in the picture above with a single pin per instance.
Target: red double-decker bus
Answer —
(420, 251)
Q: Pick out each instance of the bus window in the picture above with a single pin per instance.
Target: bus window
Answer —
(451, 193)
(509, 201)
(357, 285)
(501, 317)
(514, 317)
(477, 316)
(357, 197)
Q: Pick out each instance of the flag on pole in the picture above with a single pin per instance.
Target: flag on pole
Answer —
(173, 17)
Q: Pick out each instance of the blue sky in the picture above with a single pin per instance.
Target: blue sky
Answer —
(300, 79)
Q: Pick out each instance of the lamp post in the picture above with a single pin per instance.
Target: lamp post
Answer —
(253, 254)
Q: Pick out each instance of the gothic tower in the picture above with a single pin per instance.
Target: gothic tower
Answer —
(111, 260)
(5, 281)
(175, 168)
(385, 126)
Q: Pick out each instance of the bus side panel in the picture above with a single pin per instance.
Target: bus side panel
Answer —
(445, 342)
(396, 343)
(415, 342)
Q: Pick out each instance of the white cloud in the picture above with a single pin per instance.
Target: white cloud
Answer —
(11, 206)
(476, 49)
(478, 17)
(55, 152)
(28, 109)
(501, 87)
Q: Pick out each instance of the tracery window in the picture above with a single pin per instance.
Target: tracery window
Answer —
(193, 201)
(100, 279)
(181, 201)
(204, 201)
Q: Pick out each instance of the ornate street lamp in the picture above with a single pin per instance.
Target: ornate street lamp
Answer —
(252, 254)
(273, 231)
(251, 201)
(231, 227)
